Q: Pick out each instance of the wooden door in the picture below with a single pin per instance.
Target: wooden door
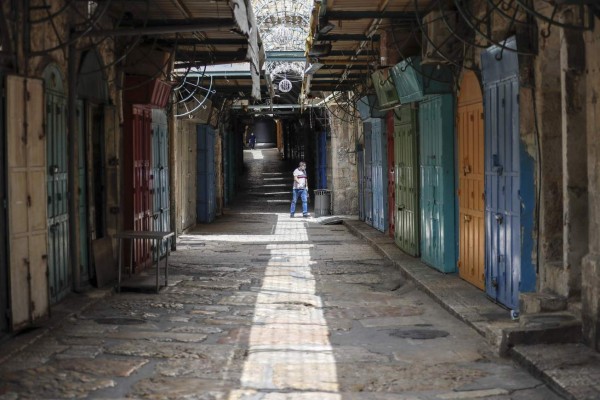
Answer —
(27, 200)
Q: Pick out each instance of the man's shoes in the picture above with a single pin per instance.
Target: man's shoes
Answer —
(291, 215)
(306, 215)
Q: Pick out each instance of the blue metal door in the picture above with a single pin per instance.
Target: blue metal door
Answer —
(368, 174)
(438, 227)
(361, 184)
(509, 199)
(379, 174)
(160, 174)
(206, 191)
(57, 184)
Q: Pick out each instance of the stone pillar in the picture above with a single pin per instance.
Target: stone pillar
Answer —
(344, 180)
(590, 274)
(549, 120)
(574, 143)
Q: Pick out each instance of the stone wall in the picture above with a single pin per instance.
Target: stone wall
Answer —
(344, 181)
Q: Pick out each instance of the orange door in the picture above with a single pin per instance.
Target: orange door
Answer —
(470, 168)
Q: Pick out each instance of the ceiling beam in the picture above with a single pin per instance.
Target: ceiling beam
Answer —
(221, 56)
(345, 37)
(355, 15)
(207, 41)
(165, 27)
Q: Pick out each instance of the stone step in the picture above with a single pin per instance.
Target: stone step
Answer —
(535, 303)
(546, 327)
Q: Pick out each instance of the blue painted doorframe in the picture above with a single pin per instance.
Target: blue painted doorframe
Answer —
(438, 206)
(379, 174)
(509, 183)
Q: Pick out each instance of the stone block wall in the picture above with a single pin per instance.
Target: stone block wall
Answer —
(344, 174)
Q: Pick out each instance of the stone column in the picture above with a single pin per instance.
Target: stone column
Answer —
(344, 181)
(590, 274)
(574, 143)
(548, 99)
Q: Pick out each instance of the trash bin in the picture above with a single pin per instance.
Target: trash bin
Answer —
(322, 202)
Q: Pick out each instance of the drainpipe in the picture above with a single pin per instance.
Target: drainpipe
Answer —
(72, 167)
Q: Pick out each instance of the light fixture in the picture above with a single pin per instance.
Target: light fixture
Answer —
(325, 29)
(314, 67)
(325, 26)
(320, 50)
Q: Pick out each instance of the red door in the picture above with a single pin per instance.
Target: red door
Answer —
(391, 174)
(137, 180)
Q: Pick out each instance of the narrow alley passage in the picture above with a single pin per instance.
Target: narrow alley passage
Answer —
(262, 306)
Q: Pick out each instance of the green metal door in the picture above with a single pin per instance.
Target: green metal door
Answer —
(407, 179)
(57, 184)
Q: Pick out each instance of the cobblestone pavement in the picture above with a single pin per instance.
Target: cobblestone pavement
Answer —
(263, 306)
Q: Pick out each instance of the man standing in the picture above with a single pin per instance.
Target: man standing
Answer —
(300, 188)
(252, 141)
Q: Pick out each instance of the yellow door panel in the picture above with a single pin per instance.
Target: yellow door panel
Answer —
(470, 130)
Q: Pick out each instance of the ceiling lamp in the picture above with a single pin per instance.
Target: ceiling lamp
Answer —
(285, 85)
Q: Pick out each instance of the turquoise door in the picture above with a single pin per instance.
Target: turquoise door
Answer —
(57, 184)
(438, 212)
(406, 158)
(160, 174)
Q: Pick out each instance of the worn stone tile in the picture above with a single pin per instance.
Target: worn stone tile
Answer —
(362, 313)
(174, 350)
(101, 366)
(158, 336)
(178, 388)
(229, 371)
(196, 329)
(80, 352)
(396, 378)
(51, 383)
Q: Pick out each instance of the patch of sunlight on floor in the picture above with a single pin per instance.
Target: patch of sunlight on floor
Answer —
(254, 155)
(289, 348)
